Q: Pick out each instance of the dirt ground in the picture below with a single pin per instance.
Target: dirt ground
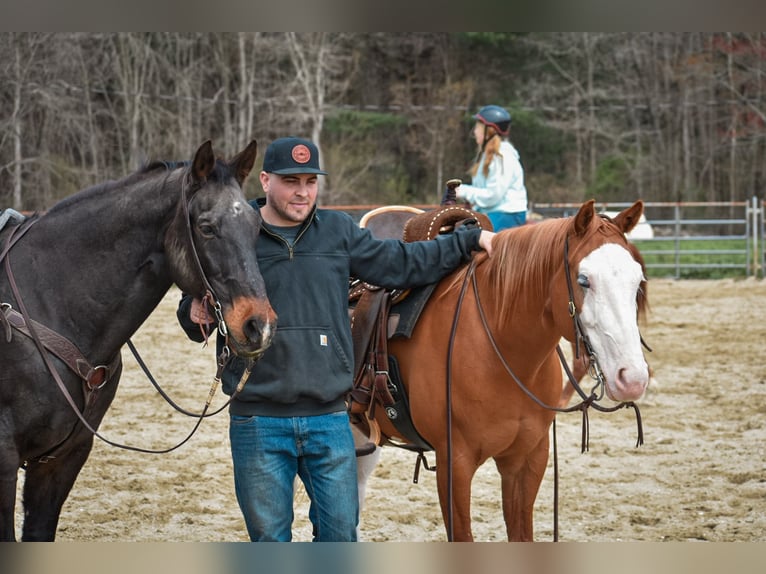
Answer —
(700, 476)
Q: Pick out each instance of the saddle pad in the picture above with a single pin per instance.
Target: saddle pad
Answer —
(409, 310)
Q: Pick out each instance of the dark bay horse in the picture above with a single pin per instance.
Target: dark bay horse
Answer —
(510, 322)
(81, 278)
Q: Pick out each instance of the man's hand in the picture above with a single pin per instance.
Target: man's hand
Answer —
(485, 241)
(198, 313)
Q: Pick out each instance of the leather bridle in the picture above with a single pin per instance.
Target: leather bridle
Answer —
(97, 377)
(588, 400)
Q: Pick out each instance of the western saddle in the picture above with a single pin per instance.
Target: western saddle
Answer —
(372, 324)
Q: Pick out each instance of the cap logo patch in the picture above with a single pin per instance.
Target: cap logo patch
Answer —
(301, 154)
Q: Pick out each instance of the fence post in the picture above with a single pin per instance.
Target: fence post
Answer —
(678, 240)
(758, 230)
(751, 244)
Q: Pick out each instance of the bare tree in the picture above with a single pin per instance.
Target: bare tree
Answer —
(21, 53)
(321, 62)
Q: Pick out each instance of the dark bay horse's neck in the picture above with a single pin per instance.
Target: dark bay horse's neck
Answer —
(94, 270)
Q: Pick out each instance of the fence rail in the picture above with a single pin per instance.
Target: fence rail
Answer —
(688, 237)
(693, 236)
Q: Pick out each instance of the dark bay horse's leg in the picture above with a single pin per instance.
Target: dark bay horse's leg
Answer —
(520, 481)
(462, 475)
(9, 468)
(46, 487)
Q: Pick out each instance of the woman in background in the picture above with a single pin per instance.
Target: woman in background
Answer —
(497, 185)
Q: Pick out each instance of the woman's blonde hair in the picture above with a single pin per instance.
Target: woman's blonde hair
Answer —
(491, 149)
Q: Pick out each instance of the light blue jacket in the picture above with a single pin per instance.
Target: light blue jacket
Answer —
(503, 188)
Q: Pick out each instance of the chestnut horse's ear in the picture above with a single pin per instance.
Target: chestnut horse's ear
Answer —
(627, 219)
(584, 216)
(203, 163)
(243, 163)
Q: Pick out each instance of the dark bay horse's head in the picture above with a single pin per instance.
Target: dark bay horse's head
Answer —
(214, 221)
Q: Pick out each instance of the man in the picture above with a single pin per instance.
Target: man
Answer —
(290, 418)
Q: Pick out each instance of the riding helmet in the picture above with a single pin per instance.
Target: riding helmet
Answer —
(495, 116)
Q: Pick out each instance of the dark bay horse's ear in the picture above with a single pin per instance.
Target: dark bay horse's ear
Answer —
(203, 163)
(243, 163)
(628, 218)
(584, 216)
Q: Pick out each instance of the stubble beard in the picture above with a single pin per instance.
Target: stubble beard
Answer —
(291, 213)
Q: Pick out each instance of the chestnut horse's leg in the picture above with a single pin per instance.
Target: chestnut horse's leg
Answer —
(46, 487)
(520, 483)
(463, 470)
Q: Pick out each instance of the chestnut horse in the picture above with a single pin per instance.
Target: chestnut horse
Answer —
(77, 282)
(488, 338)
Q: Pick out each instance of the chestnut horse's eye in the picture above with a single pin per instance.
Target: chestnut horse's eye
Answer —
(582, 281)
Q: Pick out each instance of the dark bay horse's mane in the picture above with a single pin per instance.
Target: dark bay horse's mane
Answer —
(146, 173)
(524, 258)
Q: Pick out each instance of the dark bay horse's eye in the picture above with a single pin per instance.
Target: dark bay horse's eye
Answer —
(206, 229)
(582, 281)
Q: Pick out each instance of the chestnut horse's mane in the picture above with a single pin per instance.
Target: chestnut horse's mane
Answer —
(524, 258)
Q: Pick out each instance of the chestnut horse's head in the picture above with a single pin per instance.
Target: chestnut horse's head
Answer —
(608, 287)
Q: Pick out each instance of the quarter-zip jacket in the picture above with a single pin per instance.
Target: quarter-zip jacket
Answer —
(308, 369)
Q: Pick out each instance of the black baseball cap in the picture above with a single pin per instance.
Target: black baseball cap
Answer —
(292, 155)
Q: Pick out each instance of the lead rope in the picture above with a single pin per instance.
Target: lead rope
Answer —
(67, 395)
(223, 359)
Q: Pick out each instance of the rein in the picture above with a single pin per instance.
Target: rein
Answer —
(587, 400)
(96, 377)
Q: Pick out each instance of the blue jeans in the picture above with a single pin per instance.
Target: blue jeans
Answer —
(504, 220)
(268, 452)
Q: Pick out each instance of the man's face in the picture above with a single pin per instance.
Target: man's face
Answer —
(289, 198)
